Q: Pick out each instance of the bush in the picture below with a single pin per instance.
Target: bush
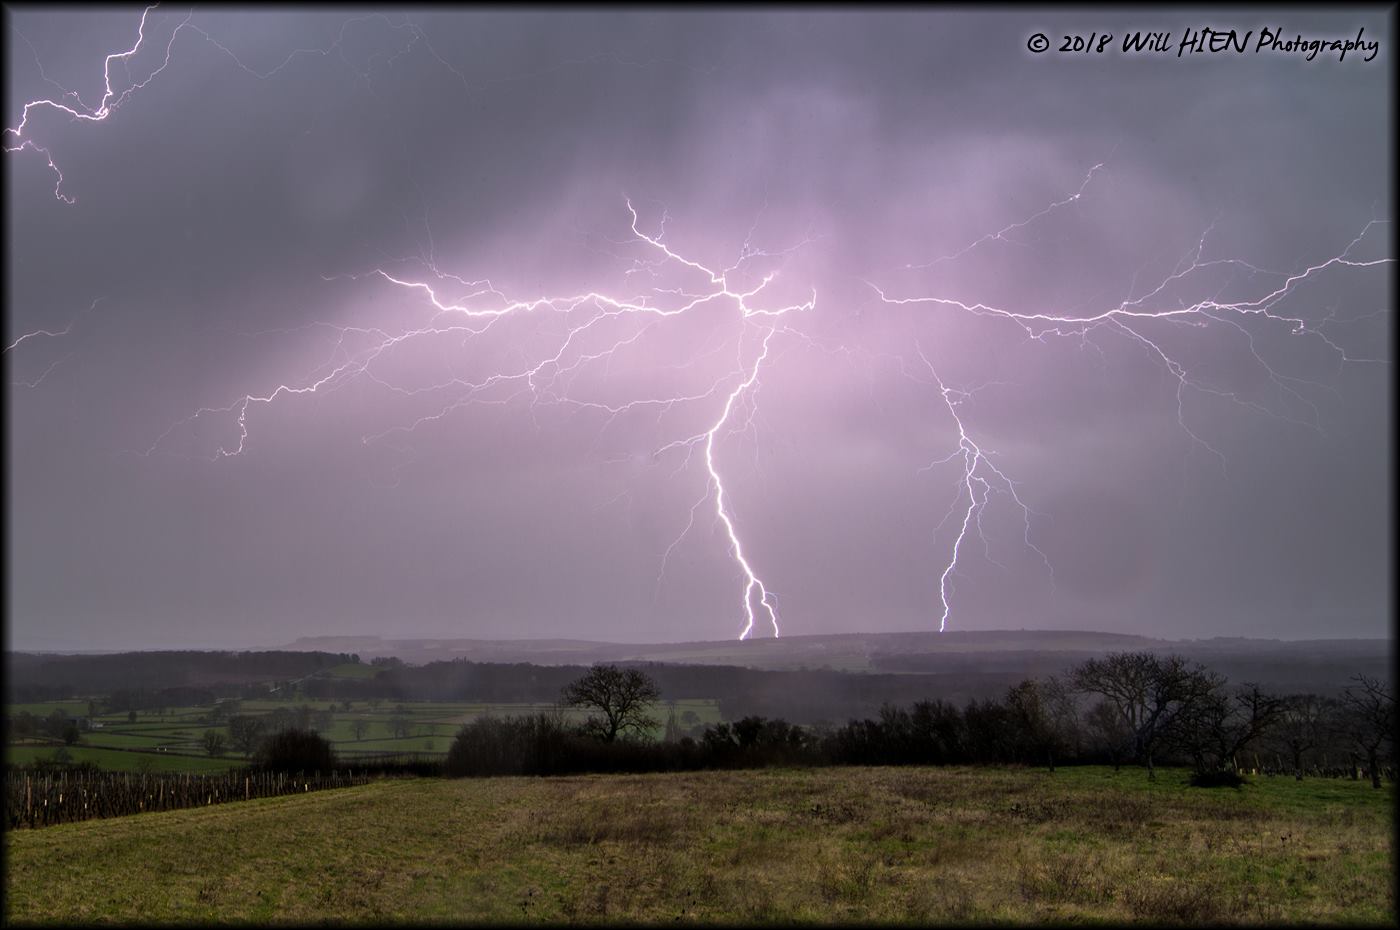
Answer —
(544, 745)
(1220, 779)
(533, 745)
(295, 751)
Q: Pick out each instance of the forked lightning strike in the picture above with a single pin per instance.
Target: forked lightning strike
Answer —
(475, 314)
(1129, 318)
(547, 380)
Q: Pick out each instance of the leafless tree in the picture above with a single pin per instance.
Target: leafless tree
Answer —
(213, 742)
(1062, 714)
(1369, 719)
(622, 696)
(1108, 733)
(1148, 693)
(1034, 732)
(1300, 728)
(245, 732)
(1216, 726)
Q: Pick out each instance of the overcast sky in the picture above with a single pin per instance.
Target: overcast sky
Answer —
(230, 216)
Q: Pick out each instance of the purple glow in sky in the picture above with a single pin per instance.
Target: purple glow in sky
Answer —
(647, 326)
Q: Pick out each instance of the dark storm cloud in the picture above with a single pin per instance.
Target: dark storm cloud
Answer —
(215, 206)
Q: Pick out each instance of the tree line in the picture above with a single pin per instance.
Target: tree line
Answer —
(1124, 708)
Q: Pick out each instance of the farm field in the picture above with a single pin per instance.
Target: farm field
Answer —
(870, 844)
(172, 741)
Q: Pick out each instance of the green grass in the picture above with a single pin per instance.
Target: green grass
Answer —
(180, 729)
(117, 760)
(118, 740)
(349, 670)
(907, 845)
(71, 708)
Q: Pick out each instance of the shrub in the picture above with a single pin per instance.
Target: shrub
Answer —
(295, 751)
(1217, 779)
(530, 745)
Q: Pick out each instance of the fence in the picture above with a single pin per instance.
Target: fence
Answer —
(40, 799)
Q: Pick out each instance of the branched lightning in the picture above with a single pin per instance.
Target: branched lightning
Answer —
(600, 326)
(1132, 318)
(481, 305)
(48, 334)
(978, 471)
(16, 139)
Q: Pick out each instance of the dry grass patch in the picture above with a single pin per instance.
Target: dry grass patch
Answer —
(869, 845)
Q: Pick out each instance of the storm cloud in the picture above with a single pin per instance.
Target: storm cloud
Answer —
(230, 214)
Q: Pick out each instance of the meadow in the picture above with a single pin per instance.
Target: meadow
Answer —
(171, 741)
(909, 845)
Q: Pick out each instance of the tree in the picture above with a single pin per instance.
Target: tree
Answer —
(938, 726)
(131, 716)
(71, 734)
(1217, 726)
(1034, 733)
(295, 751)
(1108, 733)
(244, 732)
(622, 696)
(1148, 693)
(1061, 706)
(213, 742)
(400, 725)
(1369, 720)
(1300, 728)
(360, 726)
(56, 724)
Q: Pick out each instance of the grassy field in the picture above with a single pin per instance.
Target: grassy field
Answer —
(116, 760)
(173, 739)
(895, 844)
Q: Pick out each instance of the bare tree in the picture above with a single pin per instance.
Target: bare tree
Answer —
(1062, 714)
(1033, 730)
(244, 732)
(1300, 728)
(1108, 733)
(621, 695)
(213, 742)
(1369, 720)
(360, 726)
(1216, 726)
(1148, 694)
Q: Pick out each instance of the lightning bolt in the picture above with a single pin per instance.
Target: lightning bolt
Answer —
(483, 306)
(1130, 318)
(48, 334)
(16, 139)
(670, 284)
(978, 472)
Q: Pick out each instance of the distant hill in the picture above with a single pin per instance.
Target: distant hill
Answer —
(806, 679)
(48, 676)
(1035, 651)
